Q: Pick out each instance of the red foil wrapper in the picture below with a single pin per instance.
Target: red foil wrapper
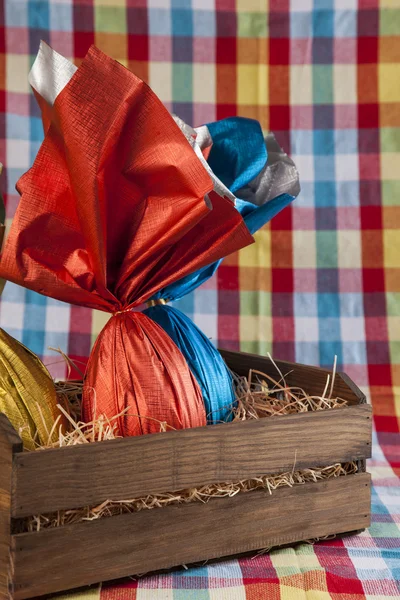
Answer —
(113, 209)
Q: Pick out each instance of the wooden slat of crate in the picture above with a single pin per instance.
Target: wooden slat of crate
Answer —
(311, 379)
(75, 555)
(84, 475)
(9, 443)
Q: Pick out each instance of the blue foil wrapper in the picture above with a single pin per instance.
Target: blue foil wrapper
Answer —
(264, 180)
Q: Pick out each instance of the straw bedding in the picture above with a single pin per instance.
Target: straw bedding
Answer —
(258, 396)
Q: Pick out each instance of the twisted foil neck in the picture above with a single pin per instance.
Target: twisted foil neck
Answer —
(120, 312)
(151, 303)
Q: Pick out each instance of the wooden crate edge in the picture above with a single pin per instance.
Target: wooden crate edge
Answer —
(310, 377)
(133, 467)
(53, 560)
(10, 443)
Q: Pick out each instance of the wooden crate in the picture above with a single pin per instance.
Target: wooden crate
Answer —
(33, 564)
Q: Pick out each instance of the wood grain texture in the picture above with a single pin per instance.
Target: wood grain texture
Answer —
(311, 379)
(78, 476)
(353, 388)
(76, 555)
(9, 443)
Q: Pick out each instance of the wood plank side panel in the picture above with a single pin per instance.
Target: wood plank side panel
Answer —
(132, 467)
(311, 379)
(75, 555)
(5, 512)
(9, 443)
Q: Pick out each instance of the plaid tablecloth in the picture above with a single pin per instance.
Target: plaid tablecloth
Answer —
(324, 277)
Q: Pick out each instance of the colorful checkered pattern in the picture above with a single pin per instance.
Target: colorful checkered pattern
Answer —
(324, 277)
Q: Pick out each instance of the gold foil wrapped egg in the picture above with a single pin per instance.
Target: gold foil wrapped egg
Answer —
(27, 394)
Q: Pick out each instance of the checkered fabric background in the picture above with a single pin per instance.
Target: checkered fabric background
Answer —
(324, 276)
